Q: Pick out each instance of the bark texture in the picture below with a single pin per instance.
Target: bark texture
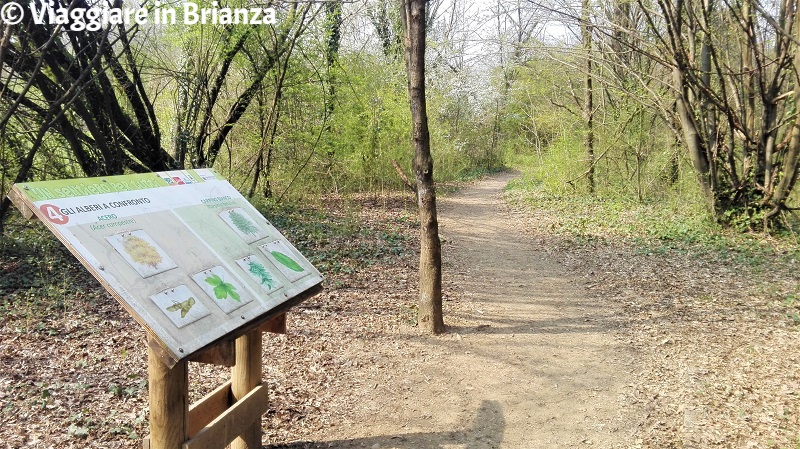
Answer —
(429, 312)
(588, 93)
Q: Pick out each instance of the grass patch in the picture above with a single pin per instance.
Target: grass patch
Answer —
(668, 224)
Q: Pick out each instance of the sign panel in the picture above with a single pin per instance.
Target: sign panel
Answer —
(188, 256)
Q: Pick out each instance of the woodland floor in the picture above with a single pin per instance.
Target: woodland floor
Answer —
(553, 342)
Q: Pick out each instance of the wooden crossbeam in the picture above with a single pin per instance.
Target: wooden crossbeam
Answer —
(232, 422)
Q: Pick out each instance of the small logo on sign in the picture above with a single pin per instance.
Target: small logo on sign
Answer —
(54, 214)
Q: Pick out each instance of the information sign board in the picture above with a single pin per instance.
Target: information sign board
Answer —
(188, 256)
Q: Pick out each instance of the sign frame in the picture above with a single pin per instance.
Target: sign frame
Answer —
(183, 252)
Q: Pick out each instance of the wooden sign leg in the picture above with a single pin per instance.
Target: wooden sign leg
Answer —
(169, 391)
(245, 376)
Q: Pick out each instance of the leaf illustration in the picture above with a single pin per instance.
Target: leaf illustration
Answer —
(287, 261)
(222, 289)
(141, 251)
(242, 223)
(258, 270)
(184, 307)
(220, 292)
(232, 292)
(214, 280)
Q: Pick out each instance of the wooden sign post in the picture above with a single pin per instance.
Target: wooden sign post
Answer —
(246, 376)
(230, 415)
(201, 270)
(169, 402)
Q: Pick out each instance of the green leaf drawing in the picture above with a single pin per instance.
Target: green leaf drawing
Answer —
(141, 251)
(287, 261)
(222, 289)
(184, 307)
(214, 280)
(261, 272)
(242, 223)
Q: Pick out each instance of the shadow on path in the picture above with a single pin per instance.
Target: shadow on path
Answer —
(486, 433)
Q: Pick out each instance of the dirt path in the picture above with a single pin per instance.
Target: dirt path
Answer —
(529, 361)
(544, 354)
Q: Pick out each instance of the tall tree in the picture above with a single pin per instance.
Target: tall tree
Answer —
(429, 307)
(387, 26)
(83, 88)
(733, 71)
(588, 93)
(270, 44)
(333, 37)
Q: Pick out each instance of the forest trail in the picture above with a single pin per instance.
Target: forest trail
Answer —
(528, 361)
(543, 353)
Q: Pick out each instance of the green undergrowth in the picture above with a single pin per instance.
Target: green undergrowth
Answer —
(33, 260)
(40, 276)
(444, 188)
(339, 237)
(672, 223)
(477, 173)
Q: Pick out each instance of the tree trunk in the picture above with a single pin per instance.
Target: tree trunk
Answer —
(430, 261)
(791, 160)
(749, 92)
(333, 25)
(588, 104)
(693, 140)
